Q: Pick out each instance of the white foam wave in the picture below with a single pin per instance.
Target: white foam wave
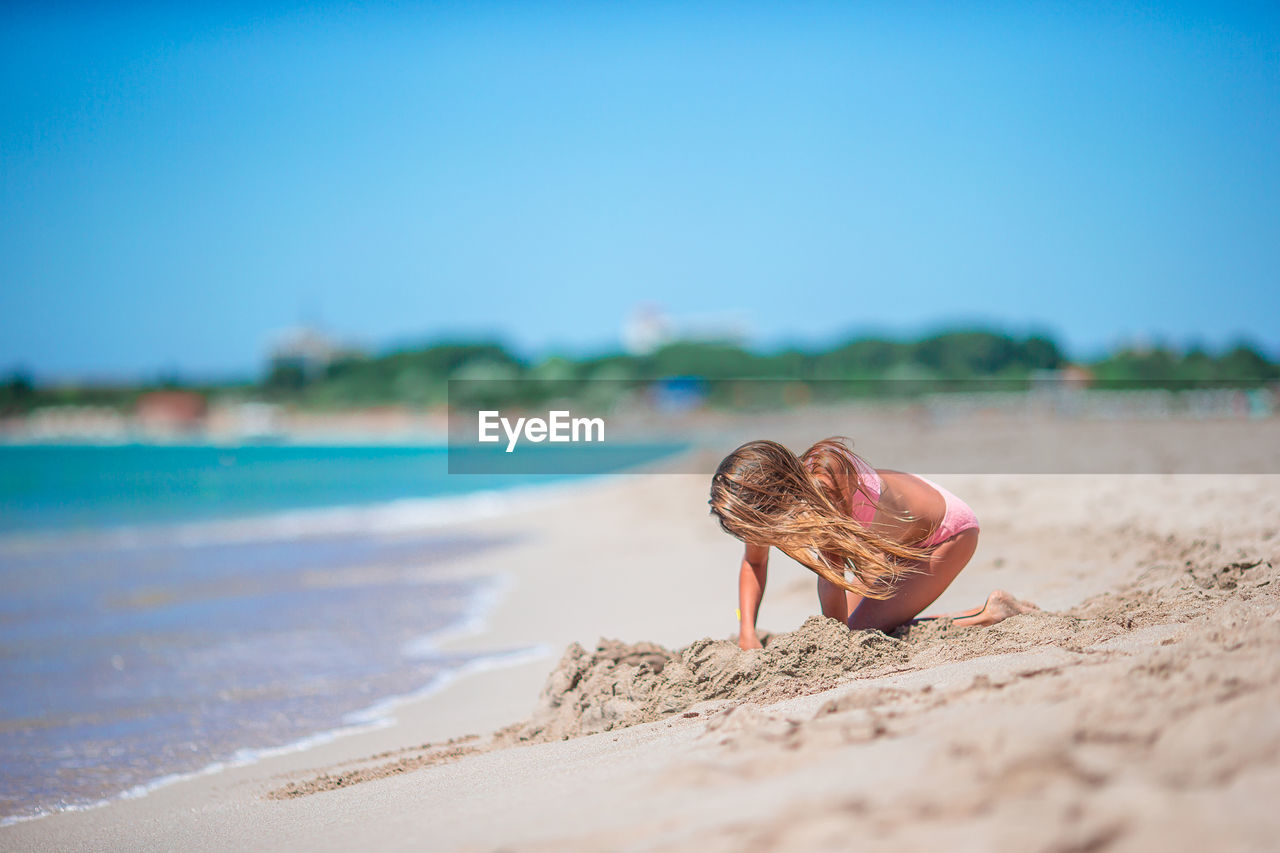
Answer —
(391, 517)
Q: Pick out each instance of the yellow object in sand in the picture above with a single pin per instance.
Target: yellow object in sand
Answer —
(739, 613)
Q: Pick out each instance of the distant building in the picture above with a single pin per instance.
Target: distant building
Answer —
(1069, 376)
(245, 421)
(98, 423)
(171, 411)
(646, 330)
(308, 350)
(649, 328)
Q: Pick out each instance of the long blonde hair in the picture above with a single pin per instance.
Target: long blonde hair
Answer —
(764, 494)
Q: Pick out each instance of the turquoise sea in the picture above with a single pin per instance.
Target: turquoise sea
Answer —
(168, 609)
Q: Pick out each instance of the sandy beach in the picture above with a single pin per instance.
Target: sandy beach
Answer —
(369, 371)
(1135, 711)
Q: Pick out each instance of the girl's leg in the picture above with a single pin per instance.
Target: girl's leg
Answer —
(918, 591)
(999, 607)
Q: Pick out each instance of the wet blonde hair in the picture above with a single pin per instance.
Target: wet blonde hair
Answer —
(764, 494)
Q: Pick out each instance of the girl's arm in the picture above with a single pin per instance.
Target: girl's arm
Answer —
(751, 577)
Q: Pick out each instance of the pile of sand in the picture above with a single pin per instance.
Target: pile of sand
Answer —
(620, 684)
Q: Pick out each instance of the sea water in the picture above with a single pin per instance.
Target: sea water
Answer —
(169, 609)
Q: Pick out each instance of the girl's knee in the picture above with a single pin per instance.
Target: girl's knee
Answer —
(862, 619)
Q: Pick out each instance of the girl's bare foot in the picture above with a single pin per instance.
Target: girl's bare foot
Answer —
(999, 607)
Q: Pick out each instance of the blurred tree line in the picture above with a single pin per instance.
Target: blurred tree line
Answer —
(865, 366)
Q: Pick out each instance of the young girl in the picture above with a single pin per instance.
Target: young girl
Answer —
(884, 544)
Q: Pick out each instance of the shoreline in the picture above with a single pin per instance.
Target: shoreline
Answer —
(381, 714)
(393, 517)
(456, 514)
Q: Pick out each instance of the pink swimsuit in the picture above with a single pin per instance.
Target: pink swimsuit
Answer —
(957, 518)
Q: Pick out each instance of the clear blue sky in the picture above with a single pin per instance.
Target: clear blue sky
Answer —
(179, 182)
